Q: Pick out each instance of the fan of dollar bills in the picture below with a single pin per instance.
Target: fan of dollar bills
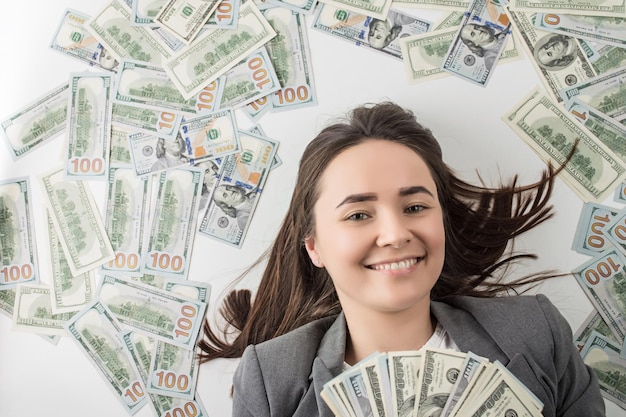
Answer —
(428, 382)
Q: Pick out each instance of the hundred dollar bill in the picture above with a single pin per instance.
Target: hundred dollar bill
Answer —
(211, 136)
(439, 370)
(142, 119)
(256, 109)
(217, 51)
(225, 16)
(305, 7)
(377, 9)
(68, 293)
(603, 356)
(33, 311)
(78, 223)
(606, 93)
(36, 123)
(435, 4)
(7, 302)
(607, 30)
(120, 153)
(127, 210)
(602, 278)
(173, 228)
(160, 314)
(424, 53)
(151, 153)
(378, 34)
(291, 57)
(593, 322)
(453, 19)
(589, 238)
(377, 382)
(468, 371)
(620, 193)
(146, 85)
(478, 44)
(356, 391)
(236, 195)
(340, 390)
(559, 59)
(88, 126)
(185, 18)
(615, 231)
(111, 26)
(18, 251)
(173, 371)
(212, 172)
(404, 368)
(143, 12)
(74, 40)
(96, 331)
(252, 78)
(603, 58)
(583, 7)
(593, 172)
(605, 128)
(167, 406)
(506, 397)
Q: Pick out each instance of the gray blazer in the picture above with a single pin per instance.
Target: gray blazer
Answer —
(284, 376)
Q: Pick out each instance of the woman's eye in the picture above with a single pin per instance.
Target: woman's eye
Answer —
(415, 208)
(358, 216)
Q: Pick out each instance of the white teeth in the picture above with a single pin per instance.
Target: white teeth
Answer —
(395, 265)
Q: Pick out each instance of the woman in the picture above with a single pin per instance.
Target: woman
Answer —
(391, 259)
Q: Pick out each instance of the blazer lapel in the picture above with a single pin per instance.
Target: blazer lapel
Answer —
(327, 365)
(467, 332)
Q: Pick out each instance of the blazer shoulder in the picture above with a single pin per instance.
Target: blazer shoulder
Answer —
(294, 350)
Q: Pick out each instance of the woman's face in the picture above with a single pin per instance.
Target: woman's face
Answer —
(379, 227)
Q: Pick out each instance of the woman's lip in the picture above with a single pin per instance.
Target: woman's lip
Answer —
(395, 264)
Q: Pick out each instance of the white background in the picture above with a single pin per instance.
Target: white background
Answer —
(38, 378)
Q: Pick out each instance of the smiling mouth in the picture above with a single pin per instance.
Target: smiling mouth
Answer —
(392, 266)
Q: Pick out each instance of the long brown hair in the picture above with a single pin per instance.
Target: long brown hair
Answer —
(479, 223)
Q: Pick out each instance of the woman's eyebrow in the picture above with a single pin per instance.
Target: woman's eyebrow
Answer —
(358, 198)
(416, 189)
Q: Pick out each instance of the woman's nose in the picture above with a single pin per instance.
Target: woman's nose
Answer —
(393, 231)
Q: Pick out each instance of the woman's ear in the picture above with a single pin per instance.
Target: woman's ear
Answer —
(309, 245)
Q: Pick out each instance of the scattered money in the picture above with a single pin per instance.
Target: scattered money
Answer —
(558, 59)
(601, 279)
(111, 26)
(217, 51)
(18, 251)
(88, 126)
(209, 137)
(185, 18)
(551, 133)
(126, 219)
(173, 228)
(160, 314)
(148, 120)
(239, 188)
(589, 238)
(377, 34)
(479, 42)
(37, 123)
(377, 9)
(606, 30)
(604, 356)
(78, 223)
(74, 40)
(616, 8)
(96, 330)
(68, 293)
(33, 311)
